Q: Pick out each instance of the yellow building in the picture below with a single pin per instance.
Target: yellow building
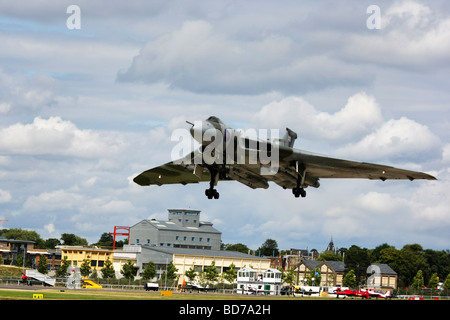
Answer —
(76, 255)
(184, 259)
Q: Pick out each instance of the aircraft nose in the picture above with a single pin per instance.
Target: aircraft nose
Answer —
(197, 130)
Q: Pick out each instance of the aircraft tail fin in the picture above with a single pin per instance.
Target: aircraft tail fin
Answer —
(289, 138)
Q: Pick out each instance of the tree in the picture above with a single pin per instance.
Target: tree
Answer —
(62, 271)
(19, 234)
(418, 282)
(108, 270)
(73, 240)
(128, 270)
(211, 272)
(350, 279)
(149, 271)
(434, 281)
(313, 278)
(106, 240)
(447, 283)
(357, 259)
(170, 273)
(239, 247)
(230, 274)
(329, 256)
(85, 268)
(51, 243)
(43, 266)
(269, 248)
(191, 274)
(289, 275)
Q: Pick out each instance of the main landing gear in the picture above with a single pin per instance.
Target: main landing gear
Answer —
(211, 192)
(298, 190)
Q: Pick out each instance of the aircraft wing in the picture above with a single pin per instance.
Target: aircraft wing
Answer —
(318, 166)
(175, 172)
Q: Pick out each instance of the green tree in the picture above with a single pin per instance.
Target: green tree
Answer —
(108, 270)
(269, 248)
(230, 274)
(313, 278)
(329, 256)
(149, 271)
(19, 234)
(43, 266)
(73, 240)
(289, 275)
(434, 281)
(106, 240)
(447, 284)
(418, 282)
(170, 274)
(349, 279)
(128, 270)
(211, 272)
(239, 247)
(51, 243)
(357, 259)
(62, 271)
(191, 274)
(85, 268)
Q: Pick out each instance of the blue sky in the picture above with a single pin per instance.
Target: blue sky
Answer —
(83, 111)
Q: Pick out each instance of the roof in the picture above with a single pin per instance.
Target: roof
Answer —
(172, 226)
(384, 268)
(339, 266)
(200, 252)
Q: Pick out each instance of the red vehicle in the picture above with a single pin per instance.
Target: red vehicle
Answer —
(351, 293)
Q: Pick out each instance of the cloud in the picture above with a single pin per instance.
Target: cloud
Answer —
(54, 136)
(5, 196)
(199, 58)
(25, 94)
(396, 139)
(412, 37)
(360, 114)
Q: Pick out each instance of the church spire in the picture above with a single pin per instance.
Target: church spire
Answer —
(331, 246)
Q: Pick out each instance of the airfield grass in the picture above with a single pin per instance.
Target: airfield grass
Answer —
(86, 294)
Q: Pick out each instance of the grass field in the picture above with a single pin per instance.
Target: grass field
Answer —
(86, 294)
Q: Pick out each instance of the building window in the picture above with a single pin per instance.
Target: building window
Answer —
(177, 237)
(200, 239)
(193, 239)
(184, 238)
(137, 241)
(148, 241)
(208, 240)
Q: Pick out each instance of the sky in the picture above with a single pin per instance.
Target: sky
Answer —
(90, 96)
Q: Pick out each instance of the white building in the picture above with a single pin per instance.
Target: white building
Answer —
(249, 281)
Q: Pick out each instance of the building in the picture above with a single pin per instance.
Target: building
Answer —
(331, 272)
(330, 246)
(184, 259)
(381, 276)
(182, 230)
(77, 255)
(250, 281)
